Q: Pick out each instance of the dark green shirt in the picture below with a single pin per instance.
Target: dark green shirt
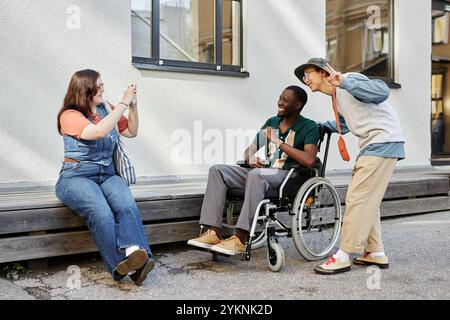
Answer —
(303, 132)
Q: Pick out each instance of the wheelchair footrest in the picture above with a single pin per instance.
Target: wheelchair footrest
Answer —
(238, 256)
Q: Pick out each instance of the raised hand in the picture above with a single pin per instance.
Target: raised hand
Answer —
(134, 101)
(129, 94)
(271, 134)
(335, 77)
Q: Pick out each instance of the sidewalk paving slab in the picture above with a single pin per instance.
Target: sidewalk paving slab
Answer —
(417, 247)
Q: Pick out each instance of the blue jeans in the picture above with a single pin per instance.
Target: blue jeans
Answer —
(106, 204)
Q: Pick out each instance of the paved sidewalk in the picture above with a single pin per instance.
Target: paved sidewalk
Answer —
(417, 246)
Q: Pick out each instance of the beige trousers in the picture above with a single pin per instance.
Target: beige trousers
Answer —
(361, 229)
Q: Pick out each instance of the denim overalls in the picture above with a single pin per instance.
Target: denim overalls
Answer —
(93, 190)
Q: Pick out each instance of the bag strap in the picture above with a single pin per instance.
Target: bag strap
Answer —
(335, 110)
(341, 143)
(109, 110)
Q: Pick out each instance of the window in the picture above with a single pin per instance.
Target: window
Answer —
(188, 35)
(441, 29)
(359, 37)
(438, 116)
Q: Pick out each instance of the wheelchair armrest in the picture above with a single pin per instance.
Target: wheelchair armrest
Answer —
(301, 169)
(296, 177)
(243, 164)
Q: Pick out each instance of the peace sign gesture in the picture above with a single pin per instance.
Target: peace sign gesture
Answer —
(335, 77)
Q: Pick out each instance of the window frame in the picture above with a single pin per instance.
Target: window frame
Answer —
(218, 68)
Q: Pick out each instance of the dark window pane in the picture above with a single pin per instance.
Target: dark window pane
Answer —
(358, 36)
(437, 86)
(441, 29)
(231, 32)
(438, 129)
(187, 30)
(141, 21)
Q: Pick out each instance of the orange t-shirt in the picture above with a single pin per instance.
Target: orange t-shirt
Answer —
(74, 122)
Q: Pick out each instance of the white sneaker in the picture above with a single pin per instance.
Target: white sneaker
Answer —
(333, 266)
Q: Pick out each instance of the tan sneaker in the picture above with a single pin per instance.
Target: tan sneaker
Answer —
(367, 260)
(206, 240)
(230, 246)
(333, 266)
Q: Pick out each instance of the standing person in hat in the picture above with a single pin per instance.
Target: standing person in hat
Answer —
(364, 111)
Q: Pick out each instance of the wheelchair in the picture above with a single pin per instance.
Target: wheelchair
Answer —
(314, 209)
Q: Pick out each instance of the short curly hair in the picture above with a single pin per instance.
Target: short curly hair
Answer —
(300, 94)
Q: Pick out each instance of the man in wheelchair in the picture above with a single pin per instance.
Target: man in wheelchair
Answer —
(291, 139)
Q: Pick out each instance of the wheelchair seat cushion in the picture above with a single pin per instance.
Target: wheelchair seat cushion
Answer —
(239, 194)
(236, 193)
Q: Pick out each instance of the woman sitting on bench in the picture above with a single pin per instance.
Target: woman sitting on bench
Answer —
(88, 183)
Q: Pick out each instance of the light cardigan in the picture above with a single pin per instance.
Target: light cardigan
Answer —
(364, 111)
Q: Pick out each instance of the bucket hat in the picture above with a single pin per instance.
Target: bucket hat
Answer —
(313, 62)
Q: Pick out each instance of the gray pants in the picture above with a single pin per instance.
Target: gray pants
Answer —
(254, 183)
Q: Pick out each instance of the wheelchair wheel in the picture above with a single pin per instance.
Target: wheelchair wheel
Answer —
(275, 257)
(316, 222)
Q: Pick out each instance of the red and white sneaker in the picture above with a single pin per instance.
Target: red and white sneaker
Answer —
(333, 266)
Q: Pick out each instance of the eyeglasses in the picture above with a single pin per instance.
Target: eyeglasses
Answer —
(306, 75)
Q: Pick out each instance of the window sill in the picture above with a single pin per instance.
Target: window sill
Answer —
(389, 81)
(393, 85)
(146, 66)
(443, 160)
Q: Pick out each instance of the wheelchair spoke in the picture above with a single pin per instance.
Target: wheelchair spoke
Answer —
(319, 218)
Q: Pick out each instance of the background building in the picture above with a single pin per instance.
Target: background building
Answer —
(440, 94)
